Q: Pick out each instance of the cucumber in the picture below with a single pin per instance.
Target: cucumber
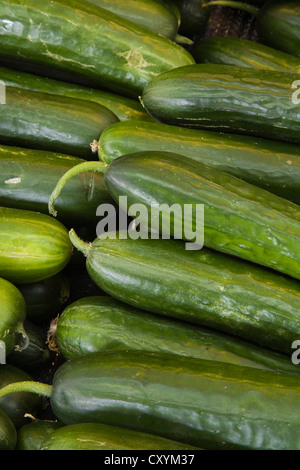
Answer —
(50, 122)
(28, 178)
(124, 108)
(101, 323)
(207, 404)
(122, 59)
(46, 298)
(8, 432)
(100, 437)
(33, 246)
(31, 435)
(228, 99)
(270, 165)
(194, 16)
(13, 314)
(243, 53)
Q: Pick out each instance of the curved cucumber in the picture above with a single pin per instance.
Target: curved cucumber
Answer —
(124, 108)
(96, 436)
(13, 314)
(243, 53)
(31, 436)
(33, 246)
(123, 58)
(270, 165)
(50, 122)
(228, 99)
(28, 178)
(8, 432)
(101, 323)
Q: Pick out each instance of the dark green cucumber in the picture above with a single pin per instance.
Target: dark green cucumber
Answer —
(124, 108)
(100, 437)
(194, 16)
(268, 164)
(13, 314)
(46, 298)
(202, 287)
(226, 98)
(33, 246)
(243, 53)
(8, 432)
(18, 405)
(207, 404)
(123, 58)
(101, 323)
(31, 435)
(51, 122)
(28, 178)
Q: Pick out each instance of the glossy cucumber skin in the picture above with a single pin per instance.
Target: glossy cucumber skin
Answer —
(33, 246)
(96, 436)
(194, 16)
(243, 53)
(270, 165)
(155, 15)
(13, 314)
(31, 435)
(101, 323)
(202, 287)
(28, 178)
(278, 24)
(8, 432)
(239, 219)
(124, 108)
(225, 98)
(50, 122)
(123, 58)
(180, 398)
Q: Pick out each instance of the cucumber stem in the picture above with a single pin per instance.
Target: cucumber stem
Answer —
(183, 40)
(78, 243)
(253, 10)
(27, 386)
(76, 170)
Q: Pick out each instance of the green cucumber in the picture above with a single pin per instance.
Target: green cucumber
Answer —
(28, 178)
(13, 314)
(226, 98)
(46, 298)
(124, 108)
(33, 246)
(270, 165)
(194, 16)
(8, 432)
(207, 404)
(101, 323)
(50, 122)
(123, 58)
(100, 437)
(31, 435)
(243, 53)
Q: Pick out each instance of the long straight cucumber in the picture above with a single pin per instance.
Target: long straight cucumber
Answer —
(226, 98)
(33, 246)
(88, 42)
(270, 165)
(124, 108)
(50, 122)
(101, 323)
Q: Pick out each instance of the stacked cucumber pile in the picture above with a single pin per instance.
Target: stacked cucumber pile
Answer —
(128, 339)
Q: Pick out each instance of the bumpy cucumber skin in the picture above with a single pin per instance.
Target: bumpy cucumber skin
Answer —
(270, 165)
(228, 99)
(50, 122)
(123, 58)
(181, 398)
(278, 24)
(13, 314)
(28, 178)
(243, 53)
(96, 436)
(32, 435)
(8, 432)
(101, 323)
(124, 108)
(201, 287)
(33, 246)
